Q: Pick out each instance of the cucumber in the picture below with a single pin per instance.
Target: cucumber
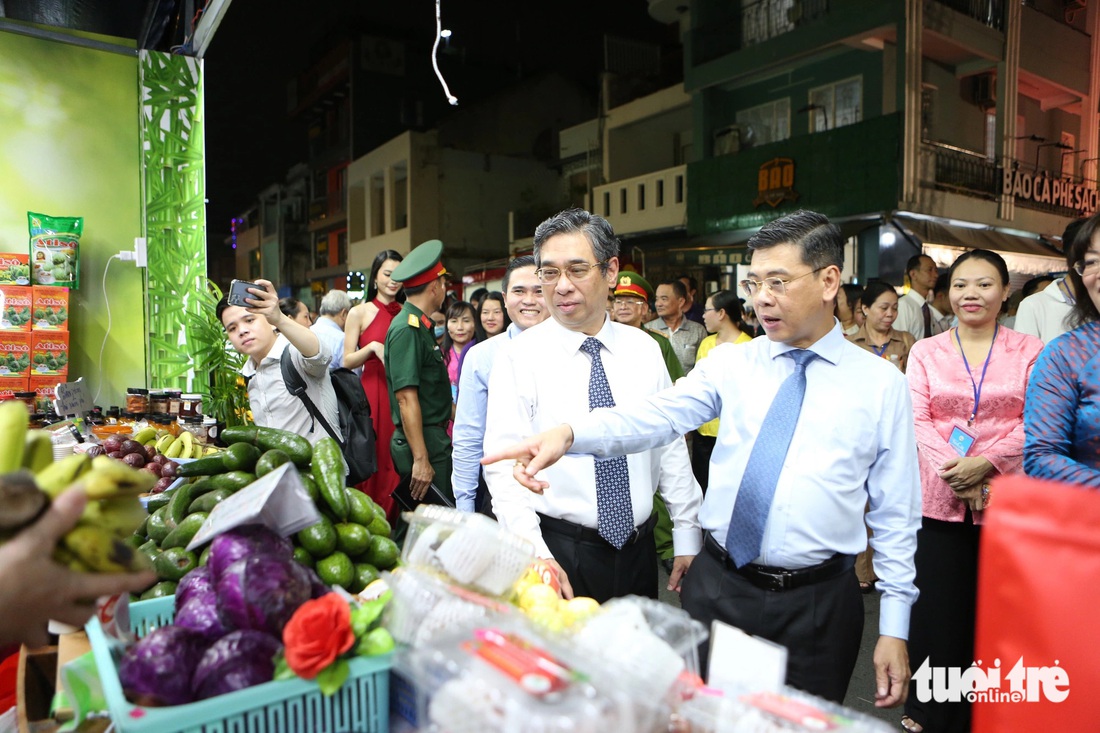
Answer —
(207, 466)
(158, 525)
(178, 505)
(240, 457)
(156, 501)
(328, 472)
(160, 590)
(269, 461)
(294, 445)
(202, 486)
(207, 502)
(233, 480)
(182, 535)
(150, 550)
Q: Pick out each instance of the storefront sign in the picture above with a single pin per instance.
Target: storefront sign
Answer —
(775, 183)
(710, 256)
(1042, 189)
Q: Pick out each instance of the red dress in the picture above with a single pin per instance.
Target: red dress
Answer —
(380, 486)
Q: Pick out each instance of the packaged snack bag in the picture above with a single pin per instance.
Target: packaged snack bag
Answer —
(55, 249)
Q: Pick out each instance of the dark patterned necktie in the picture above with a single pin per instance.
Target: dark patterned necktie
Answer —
(613, 509)
(754, 498)
(926, 310)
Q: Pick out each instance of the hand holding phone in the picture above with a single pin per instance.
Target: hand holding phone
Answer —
(238, 291)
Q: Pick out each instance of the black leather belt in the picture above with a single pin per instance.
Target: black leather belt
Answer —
(429, 425)
(779, 579)
(580, 533)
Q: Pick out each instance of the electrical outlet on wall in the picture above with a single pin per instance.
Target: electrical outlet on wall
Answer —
(141, 257)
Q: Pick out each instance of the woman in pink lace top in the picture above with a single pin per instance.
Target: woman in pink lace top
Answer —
(968, 386)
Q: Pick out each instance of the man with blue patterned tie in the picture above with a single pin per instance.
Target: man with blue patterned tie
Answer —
(596, 530)
(812, 429)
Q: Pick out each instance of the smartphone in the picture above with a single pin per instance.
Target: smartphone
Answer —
(238, 291)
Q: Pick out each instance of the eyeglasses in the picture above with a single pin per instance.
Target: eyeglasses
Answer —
(1086, 267)
(575, 272)
(712, 310)
(775, 285)
(627, 301)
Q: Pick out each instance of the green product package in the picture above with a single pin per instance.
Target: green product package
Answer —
(55, 249)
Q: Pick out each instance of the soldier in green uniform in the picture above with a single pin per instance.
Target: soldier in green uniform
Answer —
(633, 294)
(420, 392)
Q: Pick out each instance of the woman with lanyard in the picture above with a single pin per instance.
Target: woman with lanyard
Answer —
(877, 334)
(968, 386)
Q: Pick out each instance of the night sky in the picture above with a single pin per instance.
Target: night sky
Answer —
(262, 44)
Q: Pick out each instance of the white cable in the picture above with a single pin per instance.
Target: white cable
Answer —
(103, 346)
(435, 59)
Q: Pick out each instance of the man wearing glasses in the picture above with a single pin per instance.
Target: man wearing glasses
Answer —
(812, 429)
(595, 527)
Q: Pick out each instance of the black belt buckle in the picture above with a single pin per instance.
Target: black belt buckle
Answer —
(772, 581)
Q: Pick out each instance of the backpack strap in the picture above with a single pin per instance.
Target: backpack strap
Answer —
(297, 387)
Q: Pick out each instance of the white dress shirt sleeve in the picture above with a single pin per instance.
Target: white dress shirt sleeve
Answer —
(469, 426)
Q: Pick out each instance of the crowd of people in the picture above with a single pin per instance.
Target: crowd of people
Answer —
(781, 448)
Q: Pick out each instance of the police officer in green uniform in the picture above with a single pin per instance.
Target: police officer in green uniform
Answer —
(420, 392)
(633, 294)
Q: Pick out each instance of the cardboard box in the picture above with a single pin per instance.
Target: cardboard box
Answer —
(10, 385)
(15, 356)
(49, 352)
(44, 389)
(49, 308)
(15, 308)
(15, 269)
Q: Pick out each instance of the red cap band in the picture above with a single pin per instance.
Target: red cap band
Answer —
(426, 277)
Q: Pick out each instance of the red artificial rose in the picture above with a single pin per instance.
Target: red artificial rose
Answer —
(317, 633)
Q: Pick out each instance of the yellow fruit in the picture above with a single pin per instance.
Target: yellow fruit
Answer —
(538, 596)
(576, 609)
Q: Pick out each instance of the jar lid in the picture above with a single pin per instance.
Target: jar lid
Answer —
(173, 392)
(193, 396)
(23, 395)
(191, 420)
(130, 415)
(137, 390)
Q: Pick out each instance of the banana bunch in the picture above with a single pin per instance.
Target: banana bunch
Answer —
(180, 446)
(30, 479)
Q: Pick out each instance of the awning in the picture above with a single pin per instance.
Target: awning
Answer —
(934, 231)
(849, 227)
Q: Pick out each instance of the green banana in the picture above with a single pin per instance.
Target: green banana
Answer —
(164, 442)
(121, 517)
(102, 551)
(60, 475)
(144, 435)
(37, 451)
(13, 428)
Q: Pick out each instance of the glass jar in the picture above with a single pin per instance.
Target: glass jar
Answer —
(37, 421)
(174, 400)
(137, 399)
(209, 429)
(158, 400)
(113, 414)
(193, 425)
(27, 398)
(191, 405)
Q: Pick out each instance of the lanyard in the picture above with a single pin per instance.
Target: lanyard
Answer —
(879, 350)
(977, 386)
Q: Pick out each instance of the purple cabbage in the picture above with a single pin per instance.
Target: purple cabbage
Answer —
(242, 542)
(262, 593)
(200, 613)
(238, 660)
(196, 581)
(157, 670)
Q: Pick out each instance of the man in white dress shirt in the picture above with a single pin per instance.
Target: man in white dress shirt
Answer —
(850, 443)
(596, 526)
(1045, 314)
(915, 311)
(330, 324)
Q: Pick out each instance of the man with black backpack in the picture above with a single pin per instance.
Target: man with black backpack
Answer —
(263, 333)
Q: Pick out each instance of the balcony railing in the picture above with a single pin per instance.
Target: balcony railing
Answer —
(753, 24)
(961, 171)
(986, 12)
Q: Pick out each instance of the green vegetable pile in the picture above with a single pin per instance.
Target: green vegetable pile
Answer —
(348, 547)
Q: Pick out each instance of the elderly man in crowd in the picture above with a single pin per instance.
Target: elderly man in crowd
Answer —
(330, 324)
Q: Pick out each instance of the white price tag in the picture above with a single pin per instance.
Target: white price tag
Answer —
(72, 398)
(740, 662)
(278, 501)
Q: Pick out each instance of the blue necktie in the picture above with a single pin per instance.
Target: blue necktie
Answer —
(615, 516)
(754, 499)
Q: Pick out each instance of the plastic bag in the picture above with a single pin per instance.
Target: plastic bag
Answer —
(55, 249)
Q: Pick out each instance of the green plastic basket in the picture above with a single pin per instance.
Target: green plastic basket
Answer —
(287, 706)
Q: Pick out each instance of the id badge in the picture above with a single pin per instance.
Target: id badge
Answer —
(962, 439)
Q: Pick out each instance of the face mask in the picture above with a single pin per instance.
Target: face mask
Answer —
(438, 331)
